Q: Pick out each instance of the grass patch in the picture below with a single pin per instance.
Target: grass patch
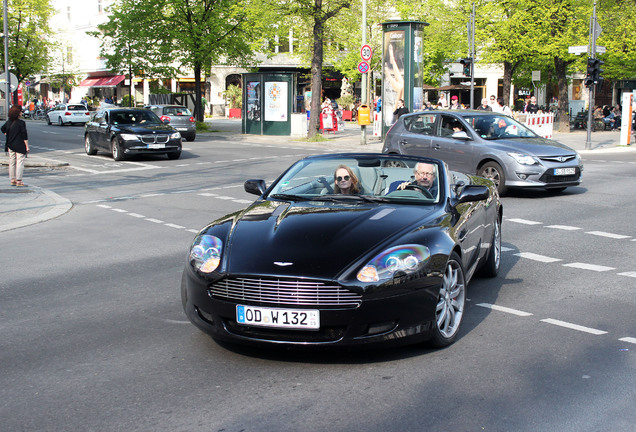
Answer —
(203, 127)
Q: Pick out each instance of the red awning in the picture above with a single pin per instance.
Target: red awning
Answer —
(109, 81)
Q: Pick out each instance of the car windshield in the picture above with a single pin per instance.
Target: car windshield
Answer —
(177, 111)
(358, 179)
(493, 127)
(134, 117)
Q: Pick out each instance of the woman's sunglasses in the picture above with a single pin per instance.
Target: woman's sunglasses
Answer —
(345, 178)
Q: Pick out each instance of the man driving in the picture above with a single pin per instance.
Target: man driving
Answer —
(425, 176)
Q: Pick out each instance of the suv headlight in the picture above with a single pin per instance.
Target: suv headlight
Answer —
(524, 159)
(175, 135)
(398, 259)
(205, 253)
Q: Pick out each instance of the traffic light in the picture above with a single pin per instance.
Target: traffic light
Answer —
(593, 72)
(466, 62)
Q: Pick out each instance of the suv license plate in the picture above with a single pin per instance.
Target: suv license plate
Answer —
(156, 146)
(279, 318)
(564, 171)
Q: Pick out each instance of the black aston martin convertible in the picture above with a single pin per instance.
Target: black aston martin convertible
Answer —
(346, 250)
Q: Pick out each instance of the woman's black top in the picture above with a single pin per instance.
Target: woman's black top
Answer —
(16, 133)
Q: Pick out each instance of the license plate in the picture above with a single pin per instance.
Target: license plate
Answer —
(182, 129)
(156, 146)
(564, 171)
(279, 318)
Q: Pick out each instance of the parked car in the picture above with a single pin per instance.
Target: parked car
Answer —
(488, 144)
(178, 117)
(307, 266)
(64, 114)
(125, 132)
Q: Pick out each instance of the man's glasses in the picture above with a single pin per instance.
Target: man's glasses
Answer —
(425, 173)
(345, 178)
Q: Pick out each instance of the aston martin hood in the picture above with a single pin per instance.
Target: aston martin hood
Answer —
(311, 239)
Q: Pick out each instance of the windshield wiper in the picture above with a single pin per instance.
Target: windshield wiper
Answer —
(289, 197)
(338, 197)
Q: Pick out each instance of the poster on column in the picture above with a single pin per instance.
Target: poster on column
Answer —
(393, 71)
(276, 101)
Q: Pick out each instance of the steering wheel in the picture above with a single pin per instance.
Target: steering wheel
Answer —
(422, 189)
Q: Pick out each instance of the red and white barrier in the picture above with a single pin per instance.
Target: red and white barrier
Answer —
(541, 124)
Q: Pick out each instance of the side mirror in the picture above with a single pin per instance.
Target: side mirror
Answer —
(472, 193)
(255, 187)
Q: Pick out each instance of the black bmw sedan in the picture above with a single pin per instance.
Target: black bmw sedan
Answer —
(125, 132)
(346, 250)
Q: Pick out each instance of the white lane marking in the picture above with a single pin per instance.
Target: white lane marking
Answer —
(136, 215)
(224, 197)
(585, 266)
(184, 191)
(535, 257)
(628, 274)
(608, 235)
(628, 340)
(573, 326)
(119, 210)
(243, 201)
(207, 194)
(563, 227)
(193, 231)
(103, 206)
(148, 195)
(506, 249)
(87, 170)
(157, 221)
(171, 321)
(171, 225)
(505, 309)
(524, 221)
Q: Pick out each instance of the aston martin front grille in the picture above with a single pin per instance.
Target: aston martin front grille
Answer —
(285, 292)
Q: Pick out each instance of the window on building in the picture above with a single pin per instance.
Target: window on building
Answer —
(100, 6)
(68, 13)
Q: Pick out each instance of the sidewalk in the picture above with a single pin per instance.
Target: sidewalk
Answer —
(23, 206)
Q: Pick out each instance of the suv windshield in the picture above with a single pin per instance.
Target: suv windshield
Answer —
(492, 127)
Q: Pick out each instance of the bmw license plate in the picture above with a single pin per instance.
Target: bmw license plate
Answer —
(279, 318)
(156, 146)
(564, 171)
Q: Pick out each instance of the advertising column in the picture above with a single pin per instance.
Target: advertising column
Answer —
(626, 120)
(393, 63)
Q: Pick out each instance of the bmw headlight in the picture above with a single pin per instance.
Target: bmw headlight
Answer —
(175, 135)
(205, 253)
(404, 259)
(129, 137)
(523, 159)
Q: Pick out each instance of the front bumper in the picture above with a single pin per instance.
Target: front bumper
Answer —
(522, 176)
(406, 317)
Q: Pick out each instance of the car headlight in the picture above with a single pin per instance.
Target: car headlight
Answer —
(404, 259)
(523, 159)
(175, 135)
(129, 137)
(205, 253)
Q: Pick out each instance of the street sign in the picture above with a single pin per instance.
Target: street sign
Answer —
(363, 67)
(366, 52)
(600, 49)
(3, 82)
(579, 49)
(536, 75)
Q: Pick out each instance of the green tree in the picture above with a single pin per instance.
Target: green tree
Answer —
(162, 37)
(28, 25)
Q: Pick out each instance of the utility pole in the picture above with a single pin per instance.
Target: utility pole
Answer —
(471, 55)
(363, 99)
(5, 30)
(595, 29)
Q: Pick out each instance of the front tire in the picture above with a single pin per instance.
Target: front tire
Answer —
(48, 120)
(88, 146)
(60, 121)
(115, 149)
(493, 171)
(493, 261)
(451, 302)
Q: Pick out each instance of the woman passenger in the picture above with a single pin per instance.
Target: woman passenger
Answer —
(345, 181)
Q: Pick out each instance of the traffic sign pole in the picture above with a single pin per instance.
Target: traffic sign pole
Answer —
(363, 53)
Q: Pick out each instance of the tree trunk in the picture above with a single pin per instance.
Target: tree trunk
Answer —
(560, 68)
(198, 112)
(316, 76)
(507, 81)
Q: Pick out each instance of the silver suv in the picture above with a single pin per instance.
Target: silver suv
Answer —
(178, 117)
(489, 144)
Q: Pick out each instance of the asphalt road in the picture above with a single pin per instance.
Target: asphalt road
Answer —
(93, 338)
